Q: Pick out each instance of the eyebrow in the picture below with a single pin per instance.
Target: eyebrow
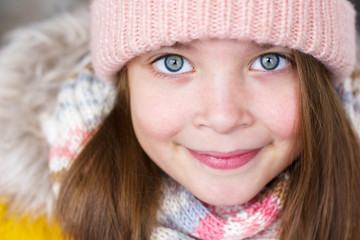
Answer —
(182, 46)
(252, 47)
(260, 47)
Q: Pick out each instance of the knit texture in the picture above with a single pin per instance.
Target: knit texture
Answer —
(82, 104)
(123, 29)
(183, 216)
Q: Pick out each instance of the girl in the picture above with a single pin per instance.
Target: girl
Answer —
(210, 120)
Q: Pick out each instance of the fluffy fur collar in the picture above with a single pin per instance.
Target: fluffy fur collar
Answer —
(34, 62)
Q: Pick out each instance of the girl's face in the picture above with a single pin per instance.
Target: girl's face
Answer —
(218, 116)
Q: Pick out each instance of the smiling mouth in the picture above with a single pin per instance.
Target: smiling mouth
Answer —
(225, 161)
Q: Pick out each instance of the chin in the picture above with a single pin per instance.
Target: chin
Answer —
(225, 199)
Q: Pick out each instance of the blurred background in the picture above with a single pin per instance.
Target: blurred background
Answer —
(19, 12)
(15, 13)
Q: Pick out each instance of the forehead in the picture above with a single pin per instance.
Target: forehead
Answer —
(218, 48)
(193, 45)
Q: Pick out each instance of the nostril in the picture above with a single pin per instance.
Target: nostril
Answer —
(223, 120)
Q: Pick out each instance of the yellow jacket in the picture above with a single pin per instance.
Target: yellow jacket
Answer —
(12, 228)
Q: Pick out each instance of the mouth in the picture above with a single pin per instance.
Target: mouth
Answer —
(225, 161)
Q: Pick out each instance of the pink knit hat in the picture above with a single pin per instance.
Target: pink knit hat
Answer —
(123, 29)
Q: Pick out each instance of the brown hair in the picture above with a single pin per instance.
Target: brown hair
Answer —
(322, 202)
(112, 189)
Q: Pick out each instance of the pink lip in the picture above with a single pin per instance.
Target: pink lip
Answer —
(225, 161)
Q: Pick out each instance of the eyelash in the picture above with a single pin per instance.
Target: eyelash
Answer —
(160, 73)
(159, 64)
(280, 57)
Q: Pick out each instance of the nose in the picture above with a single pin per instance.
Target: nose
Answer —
(223, 106)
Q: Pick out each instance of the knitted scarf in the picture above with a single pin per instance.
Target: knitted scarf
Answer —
(183, 216)
(82, 104)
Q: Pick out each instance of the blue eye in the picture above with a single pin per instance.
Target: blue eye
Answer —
(269, 62)
(172, 64)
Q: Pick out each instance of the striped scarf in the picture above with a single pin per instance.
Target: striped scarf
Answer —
(182, 216)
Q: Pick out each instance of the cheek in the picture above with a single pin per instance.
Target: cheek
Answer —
(156, 115)
(285, 118)
(280, 113)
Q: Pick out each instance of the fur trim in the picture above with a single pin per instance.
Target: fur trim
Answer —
(33, 64)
